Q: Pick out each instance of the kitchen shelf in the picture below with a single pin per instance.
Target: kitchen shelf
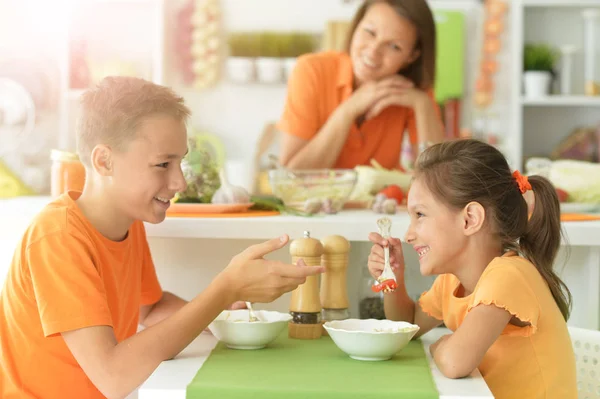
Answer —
(566, 101)
(560, 3)
(124, 49)
(538, 125)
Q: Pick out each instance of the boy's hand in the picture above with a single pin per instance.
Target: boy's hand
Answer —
(254, 279)
(375, 263)
(238, 305)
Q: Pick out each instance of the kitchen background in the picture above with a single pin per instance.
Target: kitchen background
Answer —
(50, 51)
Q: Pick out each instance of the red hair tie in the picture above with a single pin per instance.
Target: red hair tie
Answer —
(522, 181)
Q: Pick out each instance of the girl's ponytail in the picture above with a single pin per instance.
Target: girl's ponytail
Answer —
(541, 240)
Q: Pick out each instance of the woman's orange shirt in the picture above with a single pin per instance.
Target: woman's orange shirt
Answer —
(533, 362)
(321, 82)
(64, 276)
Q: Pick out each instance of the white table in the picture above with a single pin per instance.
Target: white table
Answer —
(171, 377)
(177, 236)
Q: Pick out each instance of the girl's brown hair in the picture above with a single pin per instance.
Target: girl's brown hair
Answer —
(462, 171)
(422, 71)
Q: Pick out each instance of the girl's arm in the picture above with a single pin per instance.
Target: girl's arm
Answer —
(458, 354)
(398, 306)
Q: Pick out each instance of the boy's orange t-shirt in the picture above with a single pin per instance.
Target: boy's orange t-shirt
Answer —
(64, 276)
(318, 85)
(532, 362)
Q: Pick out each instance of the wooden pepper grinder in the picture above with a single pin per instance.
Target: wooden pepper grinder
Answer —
(305, 306)
(334, 286)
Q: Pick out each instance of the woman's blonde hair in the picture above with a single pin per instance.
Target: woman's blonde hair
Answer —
(422, 71)
(112, 112)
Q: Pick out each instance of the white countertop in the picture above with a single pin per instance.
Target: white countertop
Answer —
(352, 224)
(171, 378)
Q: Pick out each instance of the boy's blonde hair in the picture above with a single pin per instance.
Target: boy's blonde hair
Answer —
(113, 111)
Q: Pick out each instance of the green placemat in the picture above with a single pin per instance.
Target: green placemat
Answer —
(295, 369)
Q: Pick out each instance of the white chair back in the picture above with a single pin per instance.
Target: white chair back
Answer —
(586, 344)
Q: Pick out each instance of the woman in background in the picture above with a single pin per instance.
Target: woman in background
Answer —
(345, 108)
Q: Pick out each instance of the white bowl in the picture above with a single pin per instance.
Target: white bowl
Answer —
(237, 332)
(370, 339)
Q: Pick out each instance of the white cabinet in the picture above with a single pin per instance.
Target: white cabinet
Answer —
(109, 37)
(538, 125)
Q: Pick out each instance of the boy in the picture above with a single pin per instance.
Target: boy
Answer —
(82, 277)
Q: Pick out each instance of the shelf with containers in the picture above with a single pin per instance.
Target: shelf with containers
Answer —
(572, 29)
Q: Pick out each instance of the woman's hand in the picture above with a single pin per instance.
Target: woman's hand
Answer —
(407, 97)
(376, 258)
(371, 93)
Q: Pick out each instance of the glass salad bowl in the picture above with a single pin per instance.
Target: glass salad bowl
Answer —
(327, 187)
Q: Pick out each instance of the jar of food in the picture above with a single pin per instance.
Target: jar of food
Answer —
(370, 305)
(67, 173)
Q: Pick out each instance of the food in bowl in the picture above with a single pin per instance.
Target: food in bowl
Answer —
(319, 189)
(370, 340)
(236, 331)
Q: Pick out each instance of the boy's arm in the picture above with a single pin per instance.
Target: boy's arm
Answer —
(167, 305)
(117, 368)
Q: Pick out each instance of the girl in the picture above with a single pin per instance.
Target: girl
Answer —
(345, 108)
(495, 289)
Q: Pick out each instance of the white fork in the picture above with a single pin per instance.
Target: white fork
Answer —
(252, 317)
(385, 227)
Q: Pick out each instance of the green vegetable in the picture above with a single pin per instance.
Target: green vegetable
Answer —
(272, 203)
(578, 178)
(201, 173)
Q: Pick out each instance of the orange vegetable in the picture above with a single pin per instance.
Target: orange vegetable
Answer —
(393, 192)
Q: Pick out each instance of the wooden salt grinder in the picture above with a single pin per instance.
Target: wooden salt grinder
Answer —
(334, 286)
(305, 305)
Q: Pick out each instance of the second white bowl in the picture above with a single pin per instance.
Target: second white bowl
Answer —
(370, 339)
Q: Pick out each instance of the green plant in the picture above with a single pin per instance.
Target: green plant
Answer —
(539, 57)
(302, 43)
(243, 45)
(296, 44)
(269, 45)
(286, 45)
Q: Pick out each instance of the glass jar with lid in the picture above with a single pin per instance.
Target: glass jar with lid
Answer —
(67, 173)
(370, 304)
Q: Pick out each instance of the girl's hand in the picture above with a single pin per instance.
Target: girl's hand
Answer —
(370, 93)
(408, 97)
(375, 263)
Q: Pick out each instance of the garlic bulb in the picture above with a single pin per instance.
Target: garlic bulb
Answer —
(228, 194)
